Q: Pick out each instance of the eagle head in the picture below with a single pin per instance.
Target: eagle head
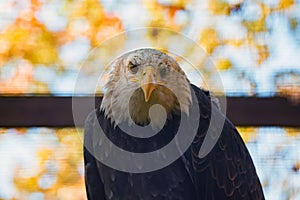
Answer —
(140, 79)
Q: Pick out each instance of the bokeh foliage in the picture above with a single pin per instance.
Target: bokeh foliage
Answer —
(39, 37)
(52, 169)
(253, 44)
(47, 163)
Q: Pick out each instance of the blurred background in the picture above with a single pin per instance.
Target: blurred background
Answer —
(255, 45)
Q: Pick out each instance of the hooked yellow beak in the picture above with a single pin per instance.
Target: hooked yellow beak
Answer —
(148, 83)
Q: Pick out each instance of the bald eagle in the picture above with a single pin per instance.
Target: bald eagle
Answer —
(141, 79)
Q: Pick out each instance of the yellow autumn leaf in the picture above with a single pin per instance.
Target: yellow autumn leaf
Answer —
(44, 154)
(3, 130)
(223, 64)
(163, 14)
(219, 7)
(255, 26)
(21, 131)
(292, 132)
(25, 184)
(235, 43)
(290, 91)
(263, 53)
(293, 23)
(111, 26)
(32, 42)
(209, 39)
(92, 10)
(39, 87)
(258, 25)
(248, 134)
(17, 40)
(284, 4)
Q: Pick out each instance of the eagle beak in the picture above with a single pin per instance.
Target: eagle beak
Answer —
(148, 83)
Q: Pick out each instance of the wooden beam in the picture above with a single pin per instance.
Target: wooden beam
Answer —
(50, 111)
(272, 111)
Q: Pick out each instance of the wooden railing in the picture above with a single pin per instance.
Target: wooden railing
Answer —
(52, 111)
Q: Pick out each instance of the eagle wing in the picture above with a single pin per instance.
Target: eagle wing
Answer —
(93, 183)
(227, 171)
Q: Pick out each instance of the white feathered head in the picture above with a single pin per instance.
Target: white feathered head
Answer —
(141, 79)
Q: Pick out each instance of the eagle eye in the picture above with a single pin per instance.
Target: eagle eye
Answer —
(163, 72)
(163, 69)
(133, 67)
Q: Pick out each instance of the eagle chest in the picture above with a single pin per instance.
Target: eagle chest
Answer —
(172, 182)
